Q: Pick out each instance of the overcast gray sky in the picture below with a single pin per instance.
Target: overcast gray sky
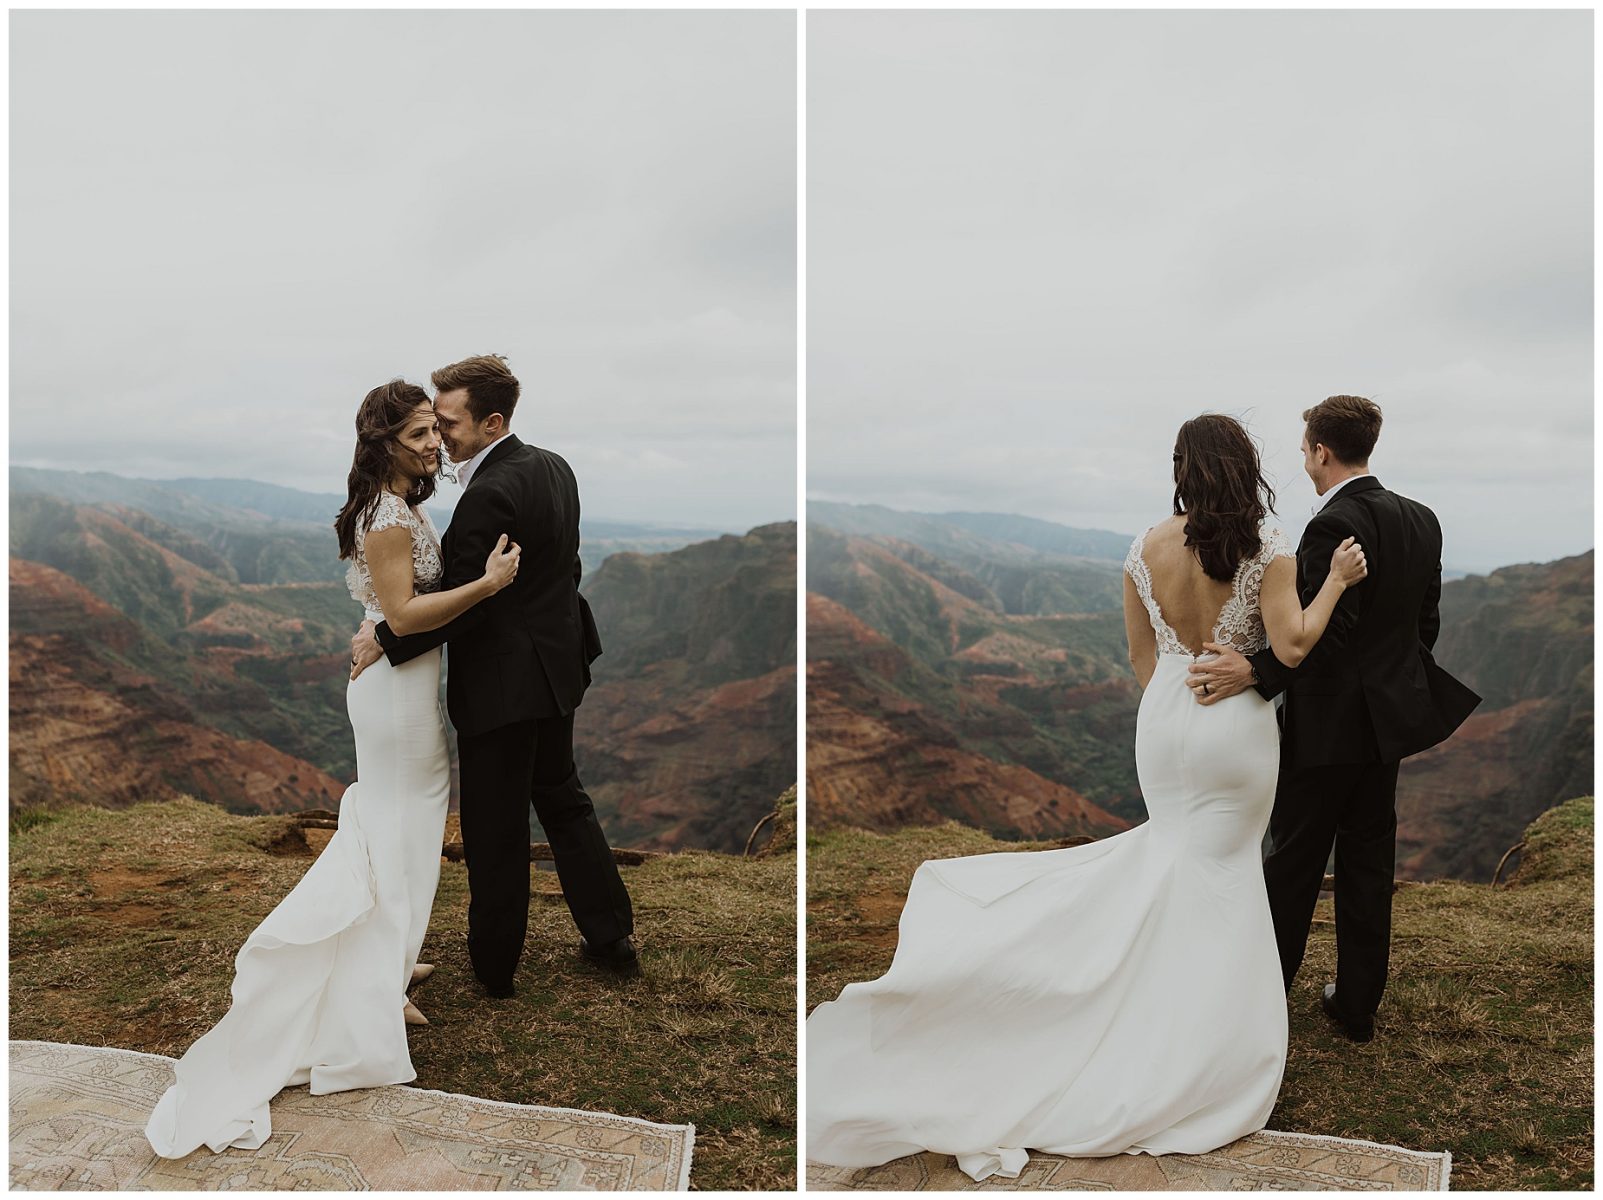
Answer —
(228, 226)
(1039, 241)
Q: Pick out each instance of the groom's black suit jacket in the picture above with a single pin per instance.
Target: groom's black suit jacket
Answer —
(525, 652)
(1369, 691)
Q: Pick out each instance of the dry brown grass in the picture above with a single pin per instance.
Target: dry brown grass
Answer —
(1484, 1041)
(124, 926)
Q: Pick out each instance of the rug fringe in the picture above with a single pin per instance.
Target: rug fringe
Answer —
(1331, 1137)
(690, 1151)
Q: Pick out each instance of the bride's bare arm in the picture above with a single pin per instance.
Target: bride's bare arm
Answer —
(1294, 630)
(389, 561)
(1138, 632)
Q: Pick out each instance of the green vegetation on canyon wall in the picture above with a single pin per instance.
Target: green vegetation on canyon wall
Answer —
(689, 729)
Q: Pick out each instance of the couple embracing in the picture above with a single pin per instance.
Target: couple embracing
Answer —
(1129, 996)
(320, 987)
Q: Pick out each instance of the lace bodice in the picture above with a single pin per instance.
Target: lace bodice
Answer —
(428, 568)
(1240, 623)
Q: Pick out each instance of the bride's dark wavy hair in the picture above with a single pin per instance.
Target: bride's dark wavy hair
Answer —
(384, 413)
(1220, 489)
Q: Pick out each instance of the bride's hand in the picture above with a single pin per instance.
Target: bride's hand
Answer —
(1347, 565)
(501, 568)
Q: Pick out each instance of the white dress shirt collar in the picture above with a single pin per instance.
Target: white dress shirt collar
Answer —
(1320, 503)
(465, 471)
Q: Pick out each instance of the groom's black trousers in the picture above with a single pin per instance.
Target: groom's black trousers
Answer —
(503, 772)
(1354, 806)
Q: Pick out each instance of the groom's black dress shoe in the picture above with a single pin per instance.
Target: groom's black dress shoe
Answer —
(504, 991)
(619, 956)
(1358, 1030)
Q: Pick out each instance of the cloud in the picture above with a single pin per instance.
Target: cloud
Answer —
(1038, 241)
(229, 226)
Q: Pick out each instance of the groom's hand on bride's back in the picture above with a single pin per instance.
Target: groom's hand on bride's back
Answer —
(1219, 678)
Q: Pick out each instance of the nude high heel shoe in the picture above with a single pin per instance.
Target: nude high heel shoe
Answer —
(413, 1015)
(422, 971)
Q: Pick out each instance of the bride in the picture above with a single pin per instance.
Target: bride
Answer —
(1123, 996)
(319, 993)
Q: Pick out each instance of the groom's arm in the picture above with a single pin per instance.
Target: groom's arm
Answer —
(1271, 675)
(481, 517)
(1430, 614)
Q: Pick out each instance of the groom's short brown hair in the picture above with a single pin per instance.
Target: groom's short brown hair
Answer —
(491, 386)
(1347, 426)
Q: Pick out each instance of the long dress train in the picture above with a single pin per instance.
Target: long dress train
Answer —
(1119, 997)
(320, 984)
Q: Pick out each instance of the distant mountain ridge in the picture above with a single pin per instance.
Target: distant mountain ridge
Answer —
(935, 531)
(297, 525)
(269, 499)
(1017, 565)
(256, 547)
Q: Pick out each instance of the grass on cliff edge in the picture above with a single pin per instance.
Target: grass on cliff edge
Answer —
(1483, 1044)
(124, 927)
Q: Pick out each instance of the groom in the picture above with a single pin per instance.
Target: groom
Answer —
(1366, 697)
(519, 665)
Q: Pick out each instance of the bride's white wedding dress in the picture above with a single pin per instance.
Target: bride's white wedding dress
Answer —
(1119, 997)
(319, 986)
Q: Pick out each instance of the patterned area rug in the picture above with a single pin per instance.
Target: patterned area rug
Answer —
(1259, 1162)
(78, 1124)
